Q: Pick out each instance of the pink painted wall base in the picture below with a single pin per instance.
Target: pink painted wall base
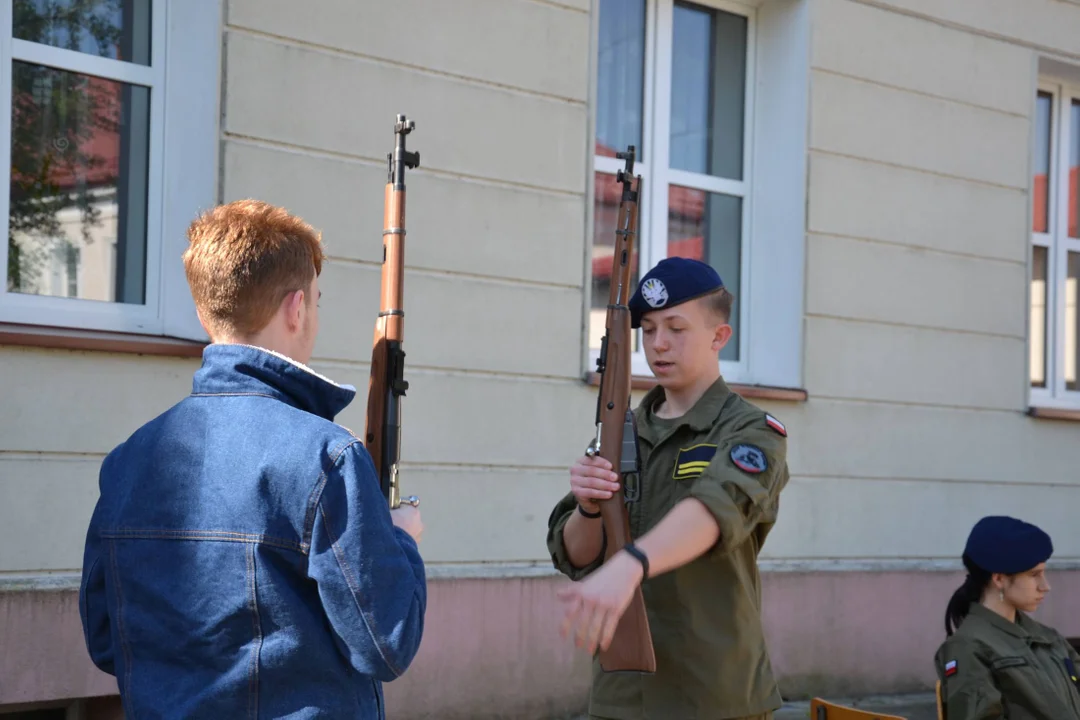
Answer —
(492, 645)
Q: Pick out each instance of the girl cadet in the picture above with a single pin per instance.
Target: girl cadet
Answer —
(1000, 663)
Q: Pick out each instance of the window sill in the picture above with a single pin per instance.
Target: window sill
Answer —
(68, 339)
(1052, 413)
(750, 392)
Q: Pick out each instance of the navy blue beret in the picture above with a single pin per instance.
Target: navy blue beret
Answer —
(673, 281)
(1001, 544)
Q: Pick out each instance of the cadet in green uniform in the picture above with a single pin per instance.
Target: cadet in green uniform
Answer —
(713, 466)
(1000, 663)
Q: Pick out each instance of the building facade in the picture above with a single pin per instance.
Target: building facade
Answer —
(889, 187)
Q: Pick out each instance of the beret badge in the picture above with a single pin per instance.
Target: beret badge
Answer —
(655, 292)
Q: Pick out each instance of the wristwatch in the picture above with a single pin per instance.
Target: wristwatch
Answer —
(633, 551)
(586, 513)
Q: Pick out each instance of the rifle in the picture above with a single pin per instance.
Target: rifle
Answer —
(616, 439)
(387, 384)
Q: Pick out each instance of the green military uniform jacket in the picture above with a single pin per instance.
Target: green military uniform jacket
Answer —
(705, 617)
(993, 668)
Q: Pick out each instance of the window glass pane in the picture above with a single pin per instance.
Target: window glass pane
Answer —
(620, 77)
(708, 227)
(1072, 322)
(1041, 209)
(117, 29)
(708, 79)
(1038, 317)
(605, 218)
(79, 156)
(1074, 169)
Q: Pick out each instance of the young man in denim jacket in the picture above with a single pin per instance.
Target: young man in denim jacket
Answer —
(241, 561)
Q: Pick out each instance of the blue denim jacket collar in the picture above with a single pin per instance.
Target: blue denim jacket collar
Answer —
(234, 369)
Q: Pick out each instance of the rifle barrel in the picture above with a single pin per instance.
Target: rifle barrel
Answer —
(387, 385)
(631, 647)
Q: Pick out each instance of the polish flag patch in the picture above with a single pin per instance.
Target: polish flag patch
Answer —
(775, 424)
(950, 668)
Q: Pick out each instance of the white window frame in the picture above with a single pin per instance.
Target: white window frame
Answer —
(183, 167)
(1058, 245)
(773, 189)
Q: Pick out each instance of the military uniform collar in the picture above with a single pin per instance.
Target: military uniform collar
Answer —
(1024, 628)
(699, 418)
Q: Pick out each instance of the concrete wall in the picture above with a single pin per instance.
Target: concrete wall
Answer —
(916, 336)
(495, 216)
(915, 319)
(917, 282)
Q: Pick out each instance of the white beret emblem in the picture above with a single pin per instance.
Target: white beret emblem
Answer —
(654, 292)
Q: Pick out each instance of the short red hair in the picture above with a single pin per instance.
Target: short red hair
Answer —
(243, 258)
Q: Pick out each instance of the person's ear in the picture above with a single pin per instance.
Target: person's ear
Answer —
(294, 310)
(720, 339)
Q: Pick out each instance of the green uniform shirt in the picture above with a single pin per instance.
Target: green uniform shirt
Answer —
(993, 668)
(705, 617)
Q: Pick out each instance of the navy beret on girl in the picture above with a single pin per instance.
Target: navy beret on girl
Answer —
(1001, 544)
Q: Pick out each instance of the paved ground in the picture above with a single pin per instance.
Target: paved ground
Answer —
(909, 707)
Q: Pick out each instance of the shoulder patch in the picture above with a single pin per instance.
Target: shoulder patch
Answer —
(749, 458)
(950, 668)
(775, 424)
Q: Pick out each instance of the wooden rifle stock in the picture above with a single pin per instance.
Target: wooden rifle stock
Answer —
(387, 384)
(631, 647)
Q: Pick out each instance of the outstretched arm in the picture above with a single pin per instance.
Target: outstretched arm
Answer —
(734, 498)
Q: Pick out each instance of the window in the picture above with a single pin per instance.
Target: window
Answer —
(677, 81)
(1055, 260)
(109, 129)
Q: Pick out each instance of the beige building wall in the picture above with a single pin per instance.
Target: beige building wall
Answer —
(915, 350)
(917, 282)
(495, 218)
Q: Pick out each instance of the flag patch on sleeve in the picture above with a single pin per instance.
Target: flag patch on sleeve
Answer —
(775, 424)
(950, 668)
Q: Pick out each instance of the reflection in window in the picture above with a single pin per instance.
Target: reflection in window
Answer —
(1072, 322)
(708, 227)
(607, 194)
(1041, 164)
(1038, 317)
(621, 73)
(708, 78)
(116, 29)
(78, 193)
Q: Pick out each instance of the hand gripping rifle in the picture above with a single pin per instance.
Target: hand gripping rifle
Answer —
(631, 647)
(387, 384)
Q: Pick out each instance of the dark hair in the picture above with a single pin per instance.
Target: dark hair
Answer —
(970, 592)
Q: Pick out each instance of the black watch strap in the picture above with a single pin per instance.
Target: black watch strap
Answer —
(591, 516)
(634, 552)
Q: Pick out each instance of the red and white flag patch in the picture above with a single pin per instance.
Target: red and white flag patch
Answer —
(950, 668)
(775, 424)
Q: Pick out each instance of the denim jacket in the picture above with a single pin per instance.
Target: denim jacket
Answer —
(241, 561)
